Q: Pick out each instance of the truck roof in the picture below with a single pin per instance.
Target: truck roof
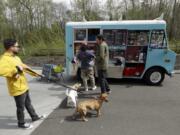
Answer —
(125, 22)
(148, 24)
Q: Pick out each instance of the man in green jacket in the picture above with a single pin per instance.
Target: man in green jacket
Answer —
(102, 59)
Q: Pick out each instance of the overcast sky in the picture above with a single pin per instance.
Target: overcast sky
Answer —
(68, 1)
(59, 0)
(65, 1)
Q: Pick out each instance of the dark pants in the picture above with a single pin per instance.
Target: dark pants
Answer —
(24, 101)
(102, 74)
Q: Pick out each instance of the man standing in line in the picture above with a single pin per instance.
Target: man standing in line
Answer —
(13, 69)
(102, 58)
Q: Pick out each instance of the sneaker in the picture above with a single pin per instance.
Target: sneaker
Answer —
(94, 88)
(26, 126)
(39, 118)
(86, 89)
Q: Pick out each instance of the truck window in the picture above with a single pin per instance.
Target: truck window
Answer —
(158, 39)
(92, 33)
(80, 34)
(138, 38)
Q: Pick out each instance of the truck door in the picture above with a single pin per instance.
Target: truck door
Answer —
(160, 59)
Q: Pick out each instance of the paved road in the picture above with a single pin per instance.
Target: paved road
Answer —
(134, 109)
(45, 97)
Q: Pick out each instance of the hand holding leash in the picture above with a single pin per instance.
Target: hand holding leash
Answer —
(19, 69)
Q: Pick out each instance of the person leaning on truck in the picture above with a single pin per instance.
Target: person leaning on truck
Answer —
(102, 58)
(13, 69)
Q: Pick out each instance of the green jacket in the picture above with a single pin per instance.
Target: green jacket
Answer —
(102, 56)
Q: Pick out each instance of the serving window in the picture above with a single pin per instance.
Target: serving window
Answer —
(115, 37)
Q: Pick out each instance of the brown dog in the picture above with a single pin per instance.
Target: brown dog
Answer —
(92, 104)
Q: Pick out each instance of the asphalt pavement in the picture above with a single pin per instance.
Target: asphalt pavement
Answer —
(133, 109)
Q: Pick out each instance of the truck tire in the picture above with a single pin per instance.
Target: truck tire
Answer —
(154, 76)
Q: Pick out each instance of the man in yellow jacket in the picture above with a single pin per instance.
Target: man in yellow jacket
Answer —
(14, 70)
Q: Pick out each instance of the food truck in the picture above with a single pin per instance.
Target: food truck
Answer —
(137, 48)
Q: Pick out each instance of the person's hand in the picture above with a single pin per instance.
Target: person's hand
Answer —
(17, 76)
(19, 68)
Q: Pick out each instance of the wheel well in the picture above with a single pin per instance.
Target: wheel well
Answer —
(159, 67)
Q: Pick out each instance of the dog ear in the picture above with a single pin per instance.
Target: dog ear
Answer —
(78, 85)
(104, 97)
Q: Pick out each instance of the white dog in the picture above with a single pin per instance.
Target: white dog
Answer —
(72, 95)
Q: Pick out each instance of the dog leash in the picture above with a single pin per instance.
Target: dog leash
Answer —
(66, 86)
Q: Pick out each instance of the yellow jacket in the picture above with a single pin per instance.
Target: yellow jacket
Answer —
(8, 69)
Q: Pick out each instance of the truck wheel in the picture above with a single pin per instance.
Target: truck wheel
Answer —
(154, 76)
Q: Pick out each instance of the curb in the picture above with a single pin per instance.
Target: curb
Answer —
(176, 71)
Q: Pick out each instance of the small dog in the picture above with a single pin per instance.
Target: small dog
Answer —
(72, 95)
(92, 104)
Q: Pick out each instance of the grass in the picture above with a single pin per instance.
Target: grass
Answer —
(55, 47)
(175, 46)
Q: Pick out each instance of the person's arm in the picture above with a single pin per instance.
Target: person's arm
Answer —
(7, 70)
(79, 57)
(91, 55)
(102, 52)
(27, 69)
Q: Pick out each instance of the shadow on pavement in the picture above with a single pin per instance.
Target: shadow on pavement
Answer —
(7, 122)
(78, 119)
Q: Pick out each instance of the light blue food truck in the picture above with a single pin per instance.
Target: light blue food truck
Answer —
(137, 48)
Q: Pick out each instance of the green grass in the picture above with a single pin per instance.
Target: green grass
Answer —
(35, 49)
(175, 46)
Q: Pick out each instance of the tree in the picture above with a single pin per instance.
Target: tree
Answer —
(172, 20)
(86, 9)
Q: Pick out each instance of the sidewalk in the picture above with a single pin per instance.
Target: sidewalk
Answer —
(177, 71)
(45, 98)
